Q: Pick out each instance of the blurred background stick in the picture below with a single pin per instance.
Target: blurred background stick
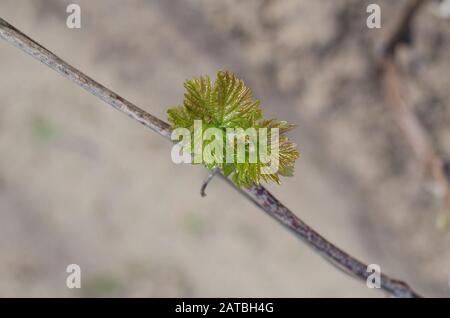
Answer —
(411, 129)
(257, 194)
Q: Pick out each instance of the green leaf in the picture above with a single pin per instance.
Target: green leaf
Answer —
(228, 103)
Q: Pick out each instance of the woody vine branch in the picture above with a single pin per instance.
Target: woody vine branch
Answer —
(260, 196)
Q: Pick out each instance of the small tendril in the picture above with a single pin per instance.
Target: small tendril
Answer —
(207, 180)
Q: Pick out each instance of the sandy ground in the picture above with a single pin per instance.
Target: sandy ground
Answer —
(81, 183)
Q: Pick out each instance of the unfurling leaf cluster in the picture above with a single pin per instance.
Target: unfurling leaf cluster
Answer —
(228, 103)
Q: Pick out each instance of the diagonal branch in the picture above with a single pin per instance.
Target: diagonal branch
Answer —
(401, 31)
(414, 134)
(257, 194)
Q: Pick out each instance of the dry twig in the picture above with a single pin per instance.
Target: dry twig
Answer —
(412, 130)
(257, 194)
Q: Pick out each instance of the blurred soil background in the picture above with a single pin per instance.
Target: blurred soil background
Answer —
(81, 183)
